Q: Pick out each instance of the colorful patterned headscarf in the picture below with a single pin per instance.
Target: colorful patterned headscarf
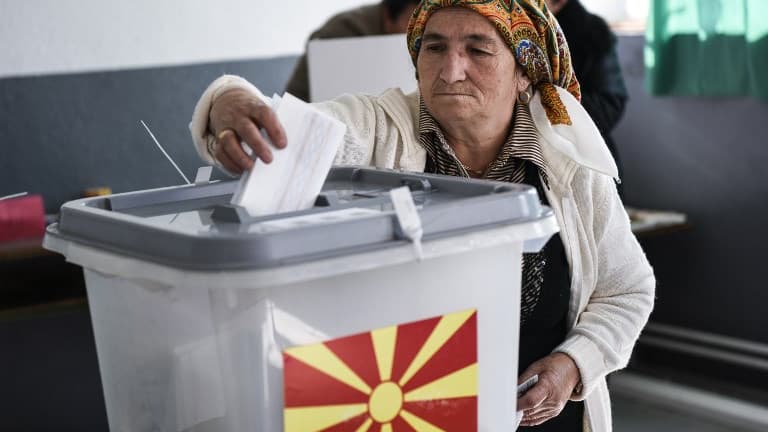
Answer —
(533, 35)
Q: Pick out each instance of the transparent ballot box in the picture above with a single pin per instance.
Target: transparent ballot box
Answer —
(209, 319)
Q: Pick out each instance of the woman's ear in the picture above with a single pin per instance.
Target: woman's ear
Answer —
(523, 82)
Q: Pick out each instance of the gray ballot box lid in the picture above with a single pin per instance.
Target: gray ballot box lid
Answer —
(195, 227)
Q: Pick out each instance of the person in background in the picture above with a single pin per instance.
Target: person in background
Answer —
(387, 17)
(596, 63)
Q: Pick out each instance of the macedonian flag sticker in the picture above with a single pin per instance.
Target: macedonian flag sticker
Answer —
(420, 376)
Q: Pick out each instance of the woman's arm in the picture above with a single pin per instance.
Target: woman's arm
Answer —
(608, 328)
(232, 110)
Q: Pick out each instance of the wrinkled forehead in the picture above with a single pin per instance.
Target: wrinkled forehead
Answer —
(462, 23)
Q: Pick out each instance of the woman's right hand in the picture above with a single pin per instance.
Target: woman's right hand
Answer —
(238, 115)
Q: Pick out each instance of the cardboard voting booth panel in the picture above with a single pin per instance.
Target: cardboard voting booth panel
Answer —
(369, 65)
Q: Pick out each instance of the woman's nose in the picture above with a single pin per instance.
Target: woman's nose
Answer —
(453, 68)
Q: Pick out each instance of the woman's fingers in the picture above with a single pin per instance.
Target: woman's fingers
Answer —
(264, 117)
(538, 418)
(232, 148)
(534, 397)
(227, 163)
(558, 375)
(545, 409)
(541, 414)
(253, 138)
(237, 116)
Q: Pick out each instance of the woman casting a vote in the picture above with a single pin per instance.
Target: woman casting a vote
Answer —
(497, 99)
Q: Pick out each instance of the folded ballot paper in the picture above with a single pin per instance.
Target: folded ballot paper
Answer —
(296, 175)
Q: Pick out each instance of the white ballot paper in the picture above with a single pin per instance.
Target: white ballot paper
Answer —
(296, 175)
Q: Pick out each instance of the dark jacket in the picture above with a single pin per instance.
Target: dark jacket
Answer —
(596, 63)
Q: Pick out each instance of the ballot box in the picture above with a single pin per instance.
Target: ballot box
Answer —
(209, 319)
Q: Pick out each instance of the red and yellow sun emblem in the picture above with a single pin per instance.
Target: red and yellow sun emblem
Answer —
(420, 376)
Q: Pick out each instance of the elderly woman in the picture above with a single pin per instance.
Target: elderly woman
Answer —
(497, 99)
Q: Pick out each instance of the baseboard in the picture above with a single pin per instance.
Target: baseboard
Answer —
(709, 345)
(689, 400)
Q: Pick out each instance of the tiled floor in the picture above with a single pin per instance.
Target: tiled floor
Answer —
(635, 416)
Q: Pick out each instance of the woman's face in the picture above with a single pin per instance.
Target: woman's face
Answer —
(466, 71)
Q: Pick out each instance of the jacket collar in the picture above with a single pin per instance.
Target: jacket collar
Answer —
(579, 142)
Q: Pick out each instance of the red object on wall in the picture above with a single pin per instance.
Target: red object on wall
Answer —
(22, 218)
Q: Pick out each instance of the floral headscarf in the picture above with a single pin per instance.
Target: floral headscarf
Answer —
(533, 35)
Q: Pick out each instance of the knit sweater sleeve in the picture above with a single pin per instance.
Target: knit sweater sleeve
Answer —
(618, 308)
(360, 113)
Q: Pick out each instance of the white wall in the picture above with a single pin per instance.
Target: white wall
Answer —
(54, 36)
(619, 10)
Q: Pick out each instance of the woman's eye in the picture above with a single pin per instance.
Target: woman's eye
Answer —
(434, 48)
(479, 52)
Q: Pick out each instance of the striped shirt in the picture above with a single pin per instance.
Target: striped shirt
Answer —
(520, 152)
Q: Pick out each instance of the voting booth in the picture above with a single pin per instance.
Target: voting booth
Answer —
(368, 64)
(209, 319)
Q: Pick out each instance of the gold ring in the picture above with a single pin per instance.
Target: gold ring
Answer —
(212, 146)
(220, 136)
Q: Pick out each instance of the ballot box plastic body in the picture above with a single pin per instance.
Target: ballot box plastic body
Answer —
(207, 319)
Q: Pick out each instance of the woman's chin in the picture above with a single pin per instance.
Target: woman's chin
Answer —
(447, 117)
(452, 108)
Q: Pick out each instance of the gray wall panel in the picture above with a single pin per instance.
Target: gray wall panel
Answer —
(709, 159)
